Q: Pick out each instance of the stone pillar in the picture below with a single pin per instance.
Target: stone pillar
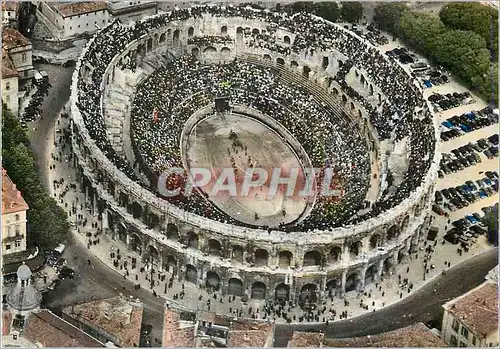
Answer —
(361, 281)
(322, 291)
(86, 193)
(104, 221)
(394, 260)
(380, 269)
(94, 202)
(345, 253)
(342, 286)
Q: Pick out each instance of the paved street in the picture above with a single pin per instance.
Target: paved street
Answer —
(424, 305)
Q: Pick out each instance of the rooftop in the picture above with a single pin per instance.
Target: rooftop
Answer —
(117, 316)
(175, 332)
(8, 69)
(12, 200)
(68, 9)
(477, 309)
(417, 335)
(9, 5)
(306, 339)
(12, 38)
(51, 331)
(249, 334)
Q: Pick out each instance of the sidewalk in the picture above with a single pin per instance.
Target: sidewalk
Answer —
(388, 291)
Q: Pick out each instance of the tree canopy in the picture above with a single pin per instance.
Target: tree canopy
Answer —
(47, 223)
(388, 15)
(491, 222)
(351, 12)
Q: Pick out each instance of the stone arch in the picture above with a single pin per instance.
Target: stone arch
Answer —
(370, 274)
(235, 287)
(280, 61)
(225, 50)
(344, 99)
(405, 223)
(371, 90)
(258, 290)
(135, 243)
(156, 39)
(374, 241)
(213, 280)
(136, 209)
(214, 247)
(309, 293)
(282, 293)
(353, 106)
(237, 253)
(355, 249)
(267, 57)
(335, 91)
(190, 32)
(163, 37)
(363, 80)
(350, 282)
(176, 35)
(332, 286)
(195, 51)
(359, 113)
(239, 31)
(172, 232)
(387, 265)
(312, 258)
(122, 233)
(223, 30)
(401, 255)
(255, 31)
(286, 39)
(170, 263)
(192, 240)
(325, 62)
(335, 254)
(379, 97)
(261, 257)
(210, 49)
(285, 259)
(294, 64)
(392, 233)
(153, 220)
(152, 254)
(149, 45)
(340, 63)
(191, 274)
(306, 71)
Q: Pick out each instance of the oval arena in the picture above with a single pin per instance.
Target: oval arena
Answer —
(302, 92)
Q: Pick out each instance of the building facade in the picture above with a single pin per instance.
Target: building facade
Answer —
(9, 12)
(10, 84)
(127, 11)
(471, 320)
(19, 50)
(14, 210)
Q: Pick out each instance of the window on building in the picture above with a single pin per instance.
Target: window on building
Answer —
(8, 231)
(18, 232)
(87, 24)
(78, 25)
(473, 340)
(24, 56)
(17, 217)
(7, 247)
(453, 341)
(25, 73)
(465, 332)
(455, 325)
(70, 28)
(7, 85)
(8, 14)
(18, 243)
(103, 21)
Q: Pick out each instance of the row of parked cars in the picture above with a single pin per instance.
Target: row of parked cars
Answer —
(461, 124)
(450, 100)
(466, 230)
(468, 155)
(463, 195)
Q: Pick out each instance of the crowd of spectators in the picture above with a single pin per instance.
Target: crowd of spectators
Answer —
(402, 114)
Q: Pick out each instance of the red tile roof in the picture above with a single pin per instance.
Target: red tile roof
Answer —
(8, 69)
(417, 335)
(306, 339)
(175, 335)
(9, 5)
(51, 331)
(116, 316)
(12, 200)
(6, 322)
(477, 309)
(68, 9)
(249, 334)
(11, 38)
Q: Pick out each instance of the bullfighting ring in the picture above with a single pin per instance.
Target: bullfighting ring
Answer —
(299, 93)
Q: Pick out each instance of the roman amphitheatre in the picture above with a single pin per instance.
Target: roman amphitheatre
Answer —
(298, 92)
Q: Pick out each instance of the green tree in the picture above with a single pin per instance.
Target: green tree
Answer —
(306, 6)
(473, 16)
(490, 220)
(47, 223)
(327, 10)
(351, 12)
(421, 31)
(489, 85)
(387, 15)
(464, 53)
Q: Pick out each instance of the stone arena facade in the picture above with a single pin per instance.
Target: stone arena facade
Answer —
(239, 260)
